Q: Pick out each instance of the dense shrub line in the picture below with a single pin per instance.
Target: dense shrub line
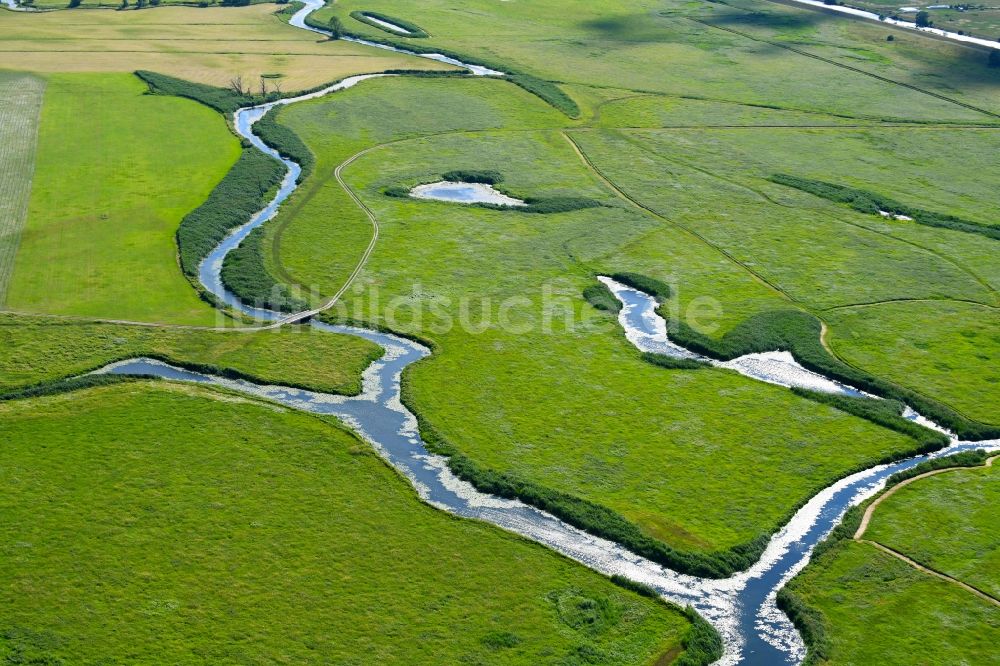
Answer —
(224, 100)
(656, 288)
(285, 141)
(673, 363)
(886, 413)
(241, 194)
(470, 176)
(65, 386)
(702, 644)
(601, 298)
(245, 274)
(809, 621)
(415, 30)
(869, 202)
(547, 90)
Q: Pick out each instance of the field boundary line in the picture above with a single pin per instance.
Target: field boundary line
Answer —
(927, 570)
(623, 195)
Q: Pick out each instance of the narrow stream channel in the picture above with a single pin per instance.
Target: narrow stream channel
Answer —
(741, 607)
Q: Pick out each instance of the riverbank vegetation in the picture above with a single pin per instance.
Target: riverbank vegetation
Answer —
(109, 191)
(195, 545)
(856, 603)
(413, 31)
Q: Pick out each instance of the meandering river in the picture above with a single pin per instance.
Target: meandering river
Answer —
(741, 607)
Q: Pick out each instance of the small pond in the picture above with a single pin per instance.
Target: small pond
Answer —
(458, 192)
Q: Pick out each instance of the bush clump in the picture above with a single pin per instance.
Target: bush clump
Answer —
(233, 202)
(224, 100)
(471, 176)
(547, 90)
(869, 202)
(702, 644)
(673, 363)
(658, 289)
(414, 30)
(601, 298)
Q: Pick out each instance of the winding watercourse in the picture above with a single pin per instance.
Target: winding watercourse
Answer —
(742, 607)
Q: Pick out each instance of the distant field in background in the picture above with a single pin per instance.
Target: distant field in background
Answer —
(20, 102)
(164, 523)
(116, 170)
(210, 45)
(685, 48)
(982, 19)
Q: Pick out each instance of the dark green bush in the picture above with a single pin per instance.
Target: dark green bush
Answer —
(973, 458)
(639, 588)
(702, 644)
(285, 141)
(245, 274)
(673, 363)
(869, 202)
(398, 192)
(415, 30)
(233, 202)
(471, 176)
(546, 205)
(547, 90)
(810, 624)
(656, 288)
(223, 100)
(65, 386)
(601, 298)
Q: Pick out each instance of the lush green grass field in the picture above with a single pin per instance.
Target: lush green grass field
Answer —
(211, 45)
(948, 350)
(34, 350)
(958, 534)
(20, 102)
(174, 524)
(116, 171)
(574, 408)
(862, 605)
(879, 610)
(647, 45)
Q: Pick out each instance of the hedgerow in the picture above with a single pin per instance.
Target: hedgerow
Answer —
(224, 100)
(233, 202)
(65, 386)
(673, 363)
(869, 202)
(470, 176)
(244, 274)
(414, 30)
(285, 141)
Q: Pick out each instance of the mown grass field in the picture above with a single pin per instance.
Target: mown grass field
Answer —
(873, 607)
(116, 170)
(575, 408)
(37, 350)
(20, 102)
(211, 45)
(173, 524)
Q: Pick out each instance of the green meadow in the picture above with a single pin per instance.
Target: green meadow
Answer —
(552, 392)
(49, 350)
(164, 523)
(867, 606)
(115, 172)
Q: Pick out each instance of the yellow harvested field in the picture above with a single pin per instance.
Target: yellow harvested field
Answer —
(210, 45)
